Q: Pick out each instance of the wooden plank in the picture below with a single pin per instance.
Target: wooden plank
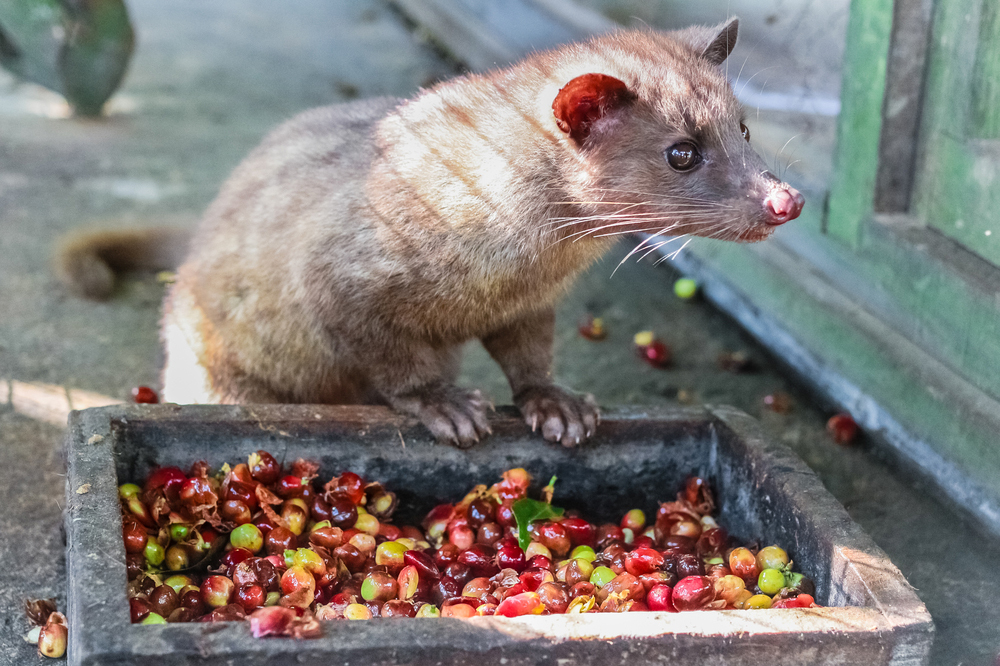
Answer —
(49, 403)
(986, 75)
(485, 34)
(583, 20)
(958, 183)
(902, 104)
(859, 126)
(460, 31)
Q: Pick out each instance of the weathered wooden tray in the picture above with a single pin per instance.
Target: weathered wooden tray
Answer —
(638, 458)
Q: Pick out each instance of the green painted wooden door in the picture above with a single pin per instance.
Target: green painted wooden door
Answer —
(958, 185)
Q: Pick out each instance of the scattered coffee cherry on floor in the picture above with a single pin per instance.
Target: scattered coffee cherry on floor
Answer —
(143, 395)
(842, 428)
(653, 351)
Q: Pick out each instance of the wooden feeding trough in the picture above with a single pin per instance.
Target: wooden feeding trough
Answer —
(639, 458)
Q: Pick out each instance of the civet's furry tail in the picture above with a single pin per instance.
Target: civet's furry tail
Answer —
(87, 260)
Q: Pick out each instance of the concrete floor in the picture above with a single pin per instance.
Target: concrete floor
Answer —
(208, 80)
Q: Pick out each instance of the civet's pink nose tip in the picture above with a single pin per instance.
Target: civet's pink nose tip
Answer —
(784, 205)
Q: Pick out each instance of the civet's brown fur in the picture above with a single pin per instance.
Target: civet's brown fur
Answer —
(349, 257)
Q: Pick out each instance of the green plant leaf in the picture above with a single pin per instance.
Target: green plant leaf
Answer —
(527, 511)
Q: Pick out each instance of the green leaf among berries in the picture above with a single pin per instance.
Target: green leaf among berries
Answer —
(526, 511)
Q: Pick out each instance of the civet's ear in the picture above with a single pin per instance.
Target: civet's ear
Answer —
(585, 100)
(715, 43)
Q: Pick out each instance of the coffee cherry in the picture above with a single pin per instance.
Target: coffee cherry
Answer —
(279, 540)
(170, 479)
(634, 520)
(757, 601)
(368, 524)
(154, 553)
(579, 530)
(480, 559)
(247, 536)
(251, 597)
(309, 560)
(379, 586)
(343, 513)
(526, 603)
(688, 564)
(608, 534)
(163, 600)
(531, 579)
(554, 596)
(505, 514)
(217, 591)
(625, 585)
(643, 560)
(422, 562)
(143, 395)
(538, 562)
(445, 588)
(601, 576)
(263, 467)
(297, 578)
(480, 511)
(233, 557)
(458, 572)
(536, 549)
(489, 534)
(428, 610)
(134, 536)
(693, 593)
(326, 536)
(842, 428)
(730, 588)
(654, 352)
(554, 537)
(743, 563)
(350, 556)
(390, 554)
(685, 288)
(295, 513)
(771, 581)
(408, 583)
(458, 610)
(592, 328)
(398, 608)
(660, 598)
(52, 639)
(365, 543)
(771, 557)
(138, 609)
(290, 486)
(244, 492)
(350, 486)
(197, 491)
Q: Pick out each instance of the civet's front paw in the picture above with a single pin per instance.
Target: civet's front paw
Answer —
(453, 415)
(563, 416)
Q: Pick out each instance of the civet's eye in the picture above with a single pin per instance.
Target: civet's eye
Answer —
(746, 131)
(683, 156)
